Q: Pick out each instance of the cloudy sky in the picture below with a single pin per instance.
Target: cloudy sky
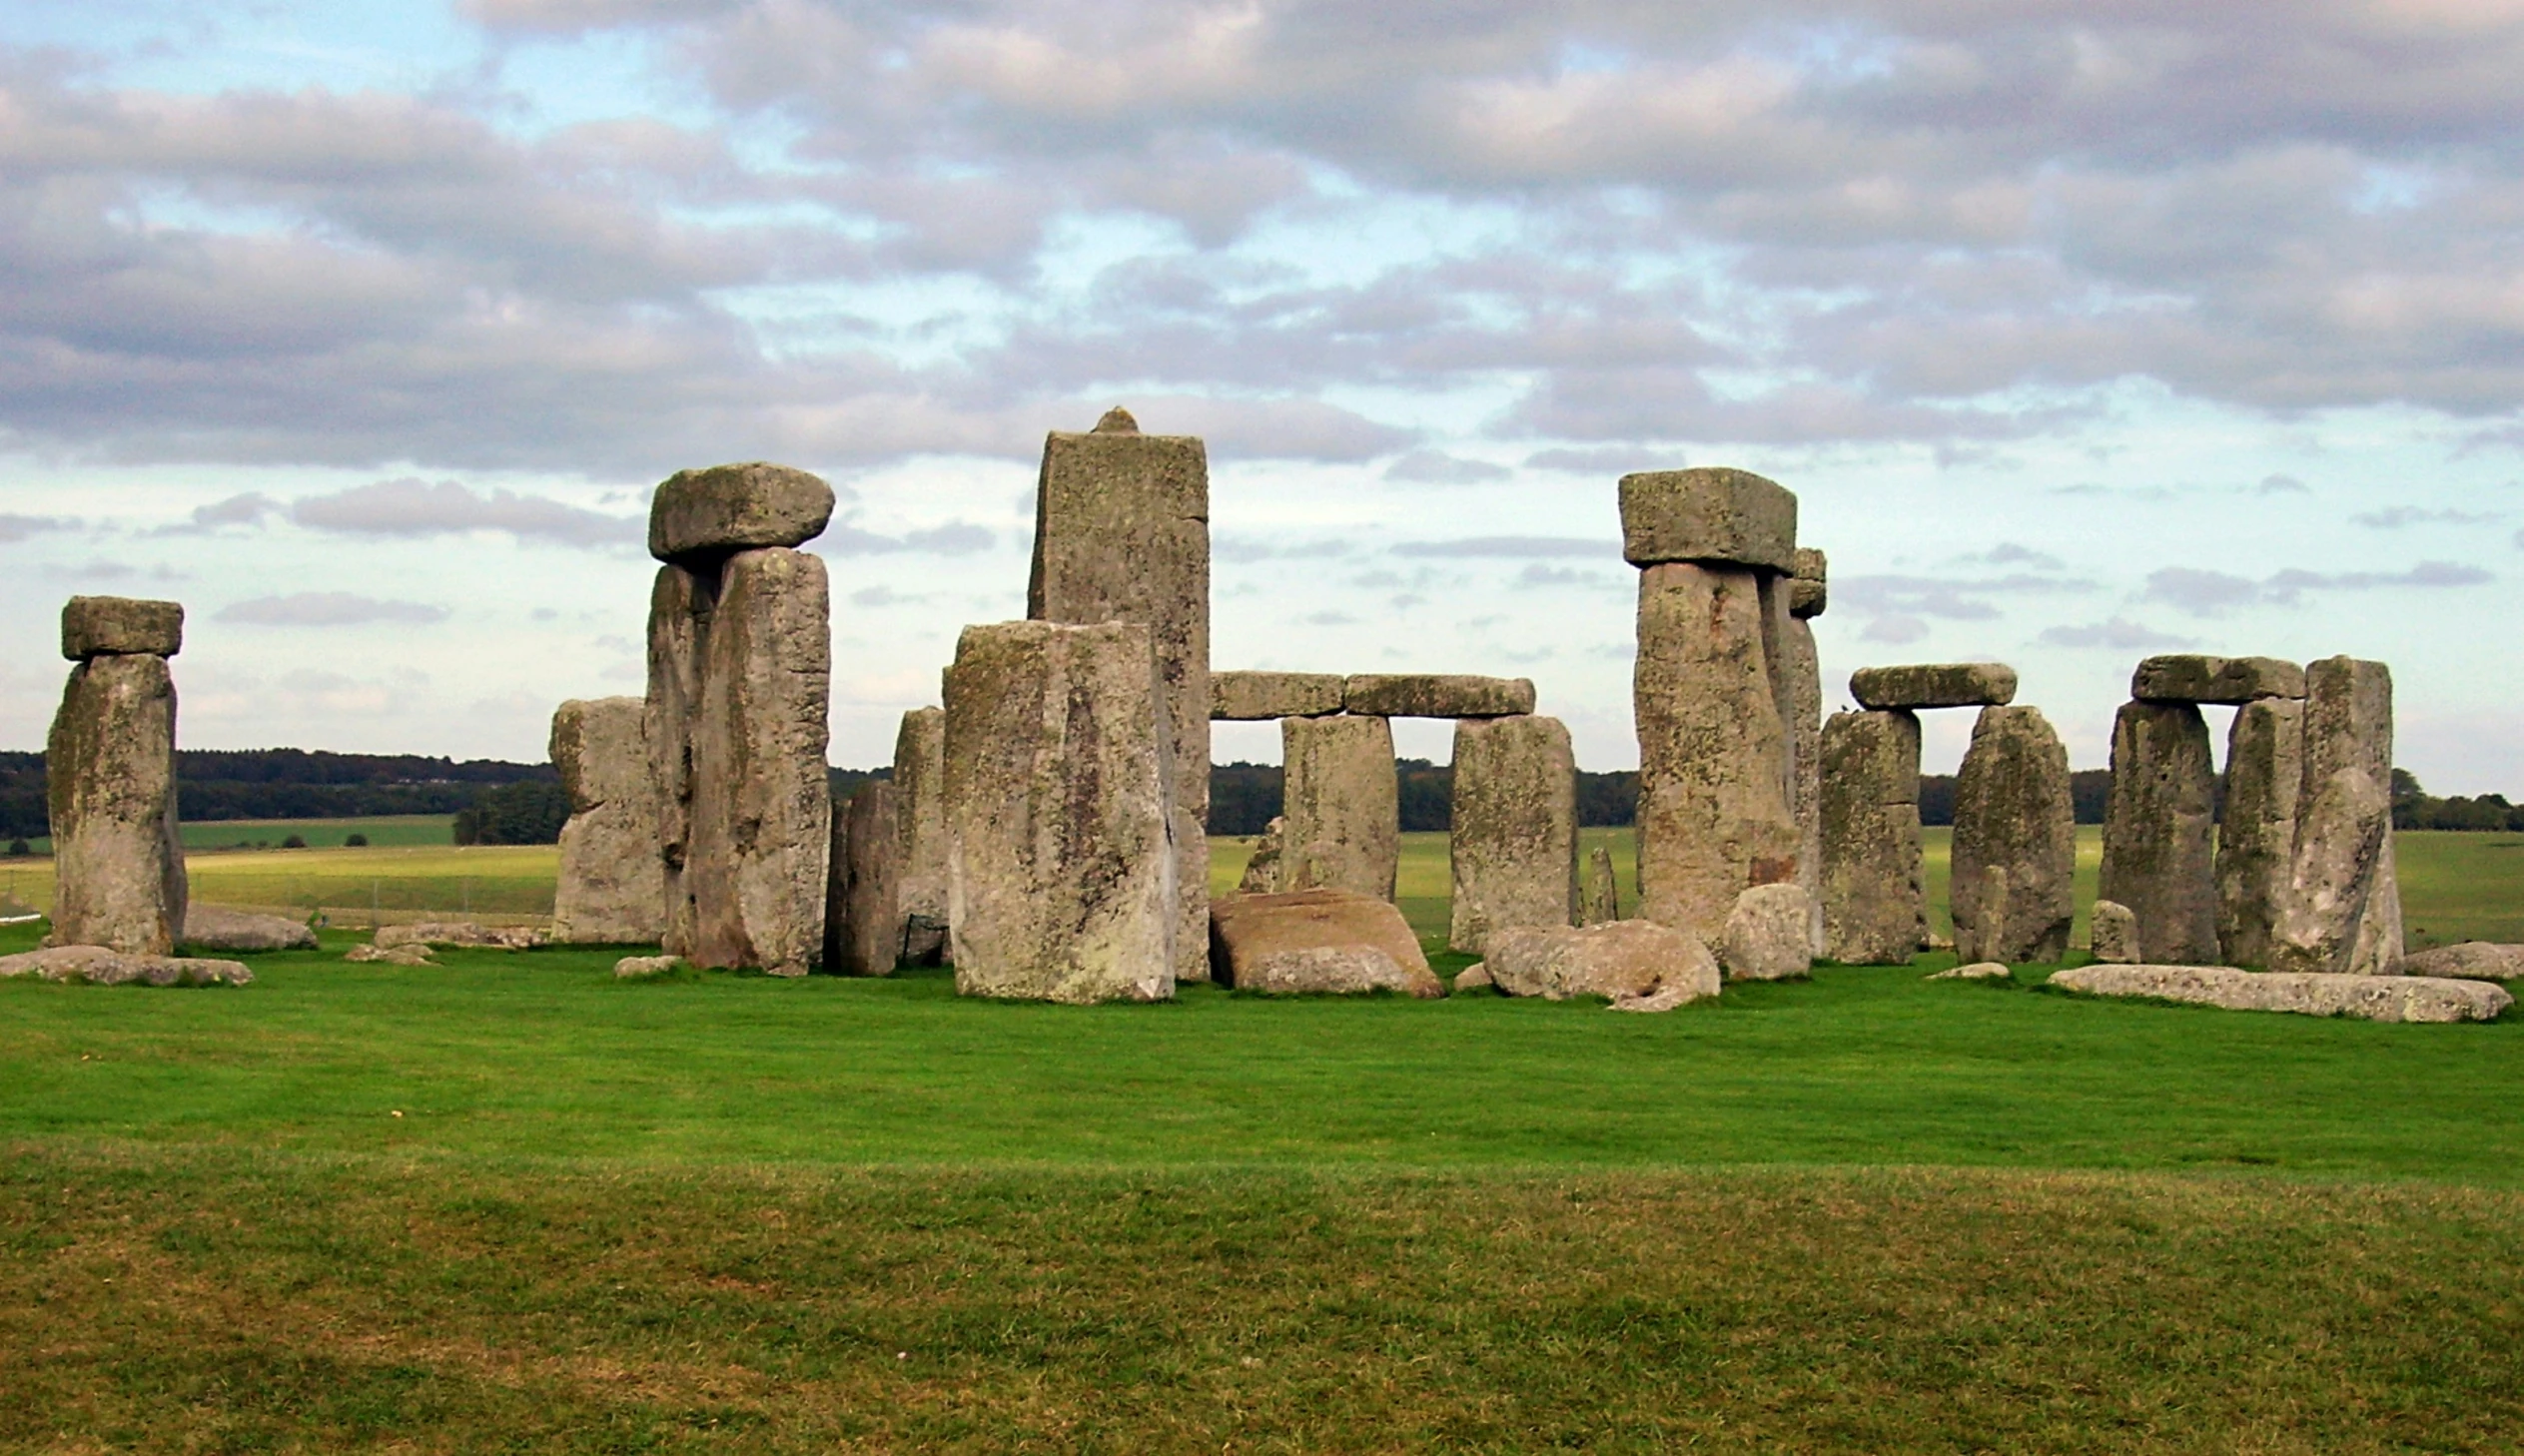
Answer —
(2083, 331)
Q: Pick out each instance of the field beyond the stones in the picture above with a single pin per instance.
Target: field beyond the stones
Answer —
(511, 1203)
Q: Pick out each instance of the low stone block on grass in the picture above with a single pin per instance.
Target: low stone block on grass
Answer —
(2469, 961)
(1316, 941)
(101, 965)
(209, 928)
(2313, 993)
(1627, 962)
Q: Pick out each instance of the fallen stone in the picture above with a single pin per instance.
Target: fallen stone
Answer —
(1435, 695)
(1316, 941)
(1256, 696)
(1476, 977)
(1600, 898)
(2368, 998)
(2190, 677)
(1625, 961)
(1342, 804)
(1875, 905)
(104, 965)
(1261, 871)
(2014, 845)
(1976, 971)
(706, 513)
(1934, 685)
(644, 968)
(863, 918)
(1713, 516)
(1122, 534)
(2113, 935)
(1808, 591)
(611, 888)
(2257, 825)
(208, 927)
(1769, 935)
(1715, 778)
(2469, 961)
(119, 626)
(1513, 847)
(1058, 868)
(920, 834)
(460, 933)
(412, 953)
(2159, 855)
(118, 861)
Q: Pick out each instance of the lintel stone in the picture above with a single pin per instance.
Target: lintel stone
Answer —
(1712, 516)
(1436, 695)
(1935, 685)
(723, 509)
(1256, 696)
(2191, 677)
(1809, 591)
(120, 626)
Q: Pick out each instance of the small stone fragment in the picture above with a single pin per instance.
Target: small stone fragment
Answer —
(644, 968)
(697, 515)
(1435, 695)
(1935, 685)
(410, 952)
(1476, 977)
(104, 965)
(2469, 961)
(2015, 846)
(461, 934)
(208, 927)
(1976, 971)
(2113, 934)
(1261, 872)
(1343, 805)
(115, 626)
(2190, 677)
(2368, 998)
(1627, 960)
(1769, 935)
(1513, 847)
(1715, 517)
(1316, 941)
(1256, 696)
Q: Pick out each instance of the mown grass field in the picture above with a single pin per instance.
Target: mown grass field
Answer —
(511, 1203)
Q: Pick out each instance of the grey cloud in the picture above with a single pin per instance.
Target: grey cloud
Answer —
(954, 538)
(412, 507)
(246, 509)
(1602, 461)
(1960, 598)
(2012, 554)
(2115, 632)
(1435, 468)
(2208, 593)
(1242, 548)
(1537, 574)
(2393, 519)
(20, 527)
(327, 609)
(1334, 619)
(2281, 486)
(1894, 630)
(1513, 547)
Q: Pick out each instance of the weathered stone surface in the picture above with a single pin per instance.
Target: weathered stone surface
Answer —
(920, 834)
(1769, 935)
(1513, 846)
(1316, 941)
(644, 968)
(1625, 961)
(1342, 804)
(863, 908)
(1435, 695)
(104, 965)
(1714, 814)
(1935, 685)
(2257, 825)
(2341, 911)
(1256, 696)
(2158, 832)
(2191, 677)
(698, 515)
(1976, 971)
(739, 688)
(1261, 871)
(120, 626)
(412, 953)
(2370, 998)
(1476, 977)
(1715, 517)
(1059, 871)
(1600, 897)
(613, 886)
(1875, 902)
(2469, 961)
(461, 933)
(1122, 534)
(2015, 848)
(1803, 674)
(2113, 934)
(118, 863)
(208, 927)
(1809, 590)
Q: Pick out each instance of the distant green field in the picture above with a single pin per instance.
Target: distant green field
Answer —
(396, 828)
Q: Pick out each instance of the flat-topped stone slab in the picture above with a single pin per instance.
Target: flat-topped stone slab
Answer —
(1935, 685)
(1435, 695)
(2192, 677)
(1249, 697)
(1713, 515)
(711, 512)
(120, 626)
(2312, 994)
(2469, 961)
(101, 966)
(1809, 588)
(1316, 941)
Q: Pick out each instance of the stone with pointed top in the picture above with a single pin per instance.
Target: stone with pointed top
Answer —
(2015, 849)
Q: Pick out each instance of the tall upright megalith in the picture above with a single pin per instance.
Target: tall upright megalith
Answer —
(1342, 804)
(1716, 770)
(1808, 594)
(1122, 534)
(2343, 907)
(2159, 830)
(1513, 845)
(863, 918)
(2257, 825)
(612, 885)
(739, 693)
(920, 833)
(2015, 852)
(1874, 892)
(1060, 871)
(118, 863)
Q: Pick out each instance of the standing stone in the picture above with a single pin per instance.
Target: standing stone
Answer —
(1600, 902)
(2256, 828)
(2014, 841)
(1804, 673)
(1342, 804)
(2158, 841)
(1261, 871)
(739, 689)
(2342, 910)
(1875, 903)
(118, 861)
(1513, 844)
(612, 887)
(2113, 935)
(863, 917)
(920, 834)
(1122, 533)
(1060, 873)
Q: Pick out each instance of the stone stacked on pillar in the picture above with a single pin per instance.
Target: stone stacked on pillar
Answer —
(2190, 677)
(1256, 696)
(1341, 805)
(1122, 533)
(1874, 895)
(613, 886)
(1935, 685)
(1513, 847)
(118, 861)
(2015, 851)
(1435, 695)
